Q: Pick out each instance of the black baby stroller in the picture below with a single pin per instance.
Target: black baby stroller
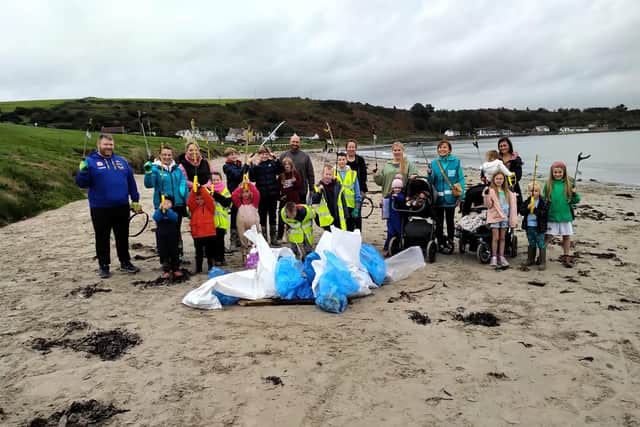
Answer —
(418, 224)
(474, 235)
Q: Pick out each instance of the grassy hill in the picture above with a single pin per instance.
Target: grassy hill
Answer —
(37, 167)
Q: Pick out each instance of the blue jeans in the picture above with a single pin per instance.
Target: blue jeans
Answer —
(535, 239)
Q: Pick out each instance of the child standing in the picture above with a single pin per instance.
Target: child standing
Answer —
(535, 212)
(329, 198)
(299, 219)
(348, 179)
(167, 239)
(394, 222)
(222, 199)
(492, 165)
(502, 213)
(560, 192)
(203, 228)
(246, 198)
(265, 175)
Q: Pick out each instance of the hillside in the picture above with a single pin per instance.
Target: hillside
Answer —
(304, 116)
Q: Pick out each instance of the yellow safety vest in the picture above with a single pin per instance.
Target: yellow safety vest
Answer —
(299, 230)
(348, 186)
(221, 216)
(324, 214)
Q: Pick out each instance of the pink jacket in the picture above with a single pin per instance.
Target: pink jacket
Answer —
(494, 211)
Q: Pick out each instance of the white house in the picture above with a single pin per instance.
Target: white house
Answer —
(541, 129)
(487, 132)
(450, 133)
(198, 135)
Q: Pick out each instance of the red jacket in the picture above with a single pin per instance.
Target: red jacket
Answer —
(202, 223)
(236, 196)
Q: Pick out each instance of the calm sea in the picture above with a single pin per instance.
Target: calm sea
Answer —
(615, 156)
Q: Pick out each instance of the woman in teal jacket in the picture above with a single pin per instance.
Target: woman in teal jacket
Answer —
(446, 202)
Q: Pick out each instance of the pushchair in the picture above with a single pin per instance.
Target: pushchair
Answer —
(474, 235)
(418, 224)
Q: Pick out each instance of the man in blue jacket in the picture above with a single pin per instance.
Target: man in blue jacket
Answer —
(110, 182)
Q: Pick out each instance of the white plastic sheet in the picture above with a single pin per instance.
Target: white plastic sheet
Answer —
(203, 297)
(401, 265)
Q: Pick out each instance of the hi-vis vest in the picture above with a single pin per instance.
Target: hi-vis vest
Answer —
(324, 214)
(299, 230)
(348, 186)
(221, 216)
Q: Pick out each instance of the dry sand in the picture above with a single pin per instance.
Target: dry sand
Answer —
(370, 366)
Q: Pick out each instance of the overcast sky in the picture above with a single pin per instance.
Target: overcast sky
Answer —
(451, 54)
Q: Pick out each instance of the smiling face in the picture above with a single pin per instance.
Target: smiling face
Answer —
(342, 162)
(498, 180)
(264, 156)
(398, 152)
(503, 147)
(216, 179)
(443, 149)
(535, 192)
(105, 146)
(193, 152)
(557, 173)
(166, 156)
(351, 148)
(287, 164)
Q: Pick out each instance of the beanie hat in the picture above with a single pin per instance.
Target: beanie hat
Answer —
(558, 165)
(397, 182)
(294, 137)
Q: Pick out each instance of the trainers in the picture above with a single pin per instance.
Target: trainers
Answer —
(166, 275)
(103, 272)
(127, 267)
(494, 262)
(177, 274)
(504, 262)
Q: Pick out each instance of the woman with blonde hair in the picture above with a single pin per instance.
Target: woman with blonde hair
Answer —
(398, 164)
(192, 164)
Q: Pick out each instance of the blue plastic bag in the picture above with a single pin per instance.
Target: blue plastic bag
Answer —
(373, 262)
(224, 299)
(290, 281)
(334, 285)
(309, 272)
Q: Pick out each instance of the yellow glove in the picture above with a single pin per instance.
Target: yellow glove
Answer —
(136, 206)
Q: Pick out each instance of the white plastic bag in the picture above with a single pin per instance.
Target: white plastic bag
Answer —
(203, 297)
(401, 265)
(362, 277)
(346, 245)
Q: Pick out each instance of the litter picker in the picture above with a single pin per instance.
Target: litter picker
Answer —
(375, 139)
(581, 157)
(535, 171)
(144, 135)
(272, 134)
(333, 142)
(87, 137)
(475, 144)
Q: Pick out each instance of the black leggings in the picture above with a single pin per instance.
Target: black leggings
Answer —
(218, 248)
(104, 220)
(268, 207)
(441, 214)
(204, 247)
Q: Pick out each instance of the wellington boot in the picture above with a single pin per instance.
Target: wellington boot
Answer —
(531, 256)
(542, 259)
(273, 239)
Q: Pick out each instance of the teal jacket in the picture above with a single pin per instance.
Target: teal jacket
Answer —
(170, 182)
(453, 168)
(559, 207)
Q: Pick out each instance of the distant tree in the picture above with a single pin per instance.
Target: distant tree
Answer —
(621, 108)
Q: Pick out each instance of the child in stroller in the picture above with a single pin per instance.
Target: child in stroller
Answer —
(417, 226)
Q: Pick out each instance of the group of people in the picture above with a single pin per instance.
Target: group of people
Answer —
(278, 193)
(547, 210)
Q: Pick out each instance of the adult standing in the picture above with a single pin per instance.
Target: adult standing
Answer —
(357, 164)
(444, 173)
(398, 164)
(303, 165)
(166, 179)
(513, 162)
(110, 181)
(192, 164)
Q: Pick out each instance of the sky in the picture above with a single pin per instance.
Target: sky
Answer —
(452, 54)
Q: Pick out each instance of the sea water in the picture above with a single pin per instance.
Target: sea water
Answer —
(615, 156)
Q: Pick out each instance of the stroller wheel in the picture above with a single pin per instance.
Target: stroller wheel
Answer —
(395, 246)
(431, 251)
(483, 253)
(513, 250)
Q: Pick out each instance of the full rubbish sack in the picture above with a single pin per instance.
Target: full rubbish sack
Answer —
(334, 285)
(203, 297)
(401, 265)
(290, 280)
(373, 262)
(224, 299)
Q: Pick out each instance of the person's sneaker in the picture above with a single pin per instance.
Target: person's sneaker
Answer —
(104, 272)
(166, 275)
(504, 262)
(494, 261)
(177, 274)
(276, 243)
(127, 267)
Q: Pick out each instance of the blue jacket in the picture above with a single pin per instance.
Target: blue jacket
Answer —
(110, 181)
(234, 172)
(169, 215)
(453, 168)
(170, 183)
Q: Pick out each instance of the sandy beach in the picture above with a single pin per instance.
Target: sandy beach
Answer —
(566, 351)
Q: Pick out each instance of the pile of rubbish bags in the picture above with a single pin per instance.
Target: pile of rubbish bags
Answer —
(341, 267)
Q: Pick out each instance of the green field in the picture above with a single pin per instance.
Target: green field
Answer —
(9, 106)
